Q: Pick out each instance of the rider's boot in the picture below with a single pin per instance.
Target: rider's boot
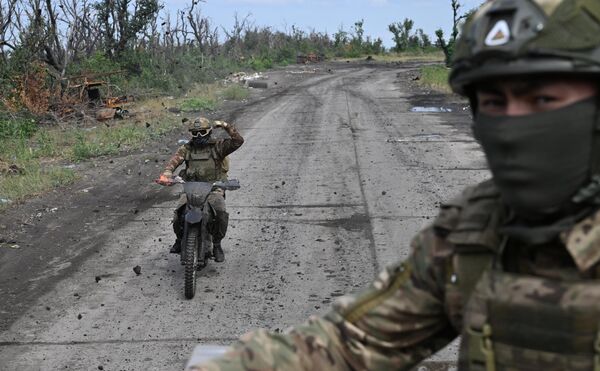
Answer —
(218, 252)
(176, 248)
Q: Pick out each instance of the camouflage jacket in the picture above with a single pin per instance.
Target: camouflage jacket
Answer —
(415, 308)
(223, 148)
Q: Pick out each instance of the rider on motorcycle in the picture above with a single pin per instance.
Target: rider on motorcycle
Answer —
(205, 160)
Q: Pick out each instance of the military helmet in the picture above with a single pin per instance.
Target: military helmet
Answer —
(516, 37)
(200, 127)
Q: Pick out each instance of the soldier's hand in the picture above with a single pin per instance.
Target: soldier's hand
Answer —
(221, 124)
(164, 180)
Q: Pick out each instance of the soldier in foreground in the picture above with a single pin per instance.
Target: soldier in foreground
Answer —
(205, 160)
(512, 264)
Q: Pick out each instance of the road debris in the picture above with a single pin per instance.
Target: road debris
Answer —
(6, 169)
(138, 270)
(243, 78)
(98, 278)
(258, 85)
(105, 114)
(309, 58)
(304, 71)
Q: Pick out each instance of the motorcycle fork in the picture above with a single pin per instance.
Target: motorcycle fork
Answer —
(194, 217)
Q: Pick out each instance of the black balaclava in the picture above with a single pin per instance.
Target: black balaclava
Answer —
(199, 141)
(540, 161)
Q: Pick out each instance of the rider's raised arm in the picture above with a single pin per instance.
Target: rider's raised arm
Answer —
(397, 322)
(227, 146)
(176, 160)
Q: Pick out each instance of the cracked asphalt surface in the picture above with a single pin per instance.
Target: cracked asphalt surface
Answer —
(337, 176)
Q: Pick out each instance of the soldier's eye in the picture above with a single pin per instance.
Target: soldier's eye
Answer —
(544, 99)
(493, 103)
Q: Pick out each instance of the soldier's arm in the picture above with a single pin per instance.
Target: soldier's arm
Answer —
(176, 160)
(397, 322)
(231, 144)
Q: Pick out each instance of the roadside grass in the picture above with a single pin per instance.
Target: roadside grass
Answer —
(204, 97)
(408, 56)
(235, 92)
(34, 181)
(198, 104)
(42, 152)
(436, 77)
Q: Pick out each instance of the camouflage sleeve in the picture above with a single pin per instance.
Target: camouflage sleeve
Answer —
(176, 160)
(397, 322)
(228, 146)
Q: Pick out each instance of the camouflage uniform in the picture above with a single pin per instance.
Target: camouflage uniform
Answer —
(415, 308)
(519, 304)
(217, 165)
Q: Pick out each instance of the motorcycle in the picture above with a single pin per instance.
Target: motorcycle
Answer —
(196, 243)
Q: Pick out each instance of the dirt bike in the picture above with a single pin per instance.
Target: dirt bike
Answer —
(196, 243)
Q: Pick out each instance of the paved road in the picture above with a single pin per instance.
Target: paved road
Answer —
(337, 176)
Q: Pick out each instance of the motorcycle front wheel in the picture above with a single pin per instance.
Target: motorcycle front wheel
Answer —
(191, 260)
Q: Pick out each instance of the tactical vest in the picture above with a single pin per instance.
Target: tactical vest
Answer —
(204, 165)
(511, 321)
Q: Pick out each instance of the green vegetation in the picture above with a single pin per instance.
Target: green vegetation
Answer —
(198, 104)
(436, 77)
(18, 127)
(34, 181)
(40, 155)
(235, 92)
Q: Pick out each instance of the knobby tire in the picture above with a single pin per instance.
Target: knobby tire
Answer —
(191, 260)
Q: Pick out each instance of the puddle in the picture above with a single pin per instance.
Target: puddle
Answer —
(431, 109)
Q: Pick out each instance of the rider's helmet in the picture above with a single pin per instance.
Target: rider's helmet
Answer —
(518, 37)
(200, 127)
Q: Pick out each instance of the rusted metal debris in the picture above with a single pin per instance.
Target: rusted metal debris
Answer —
(6, 169)
(310, 58)
(88, 90)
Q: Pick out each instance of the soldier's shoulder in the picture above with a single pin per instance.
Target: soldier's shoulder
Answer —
(471, 209)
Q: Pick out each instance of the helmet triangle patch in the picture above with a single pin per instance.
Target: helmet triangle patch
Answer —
(499, 35)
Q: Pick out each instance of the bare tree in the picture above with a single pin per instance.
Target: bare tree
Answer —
(70, 33)
(7, 12)
(234, 37)
(121, 21)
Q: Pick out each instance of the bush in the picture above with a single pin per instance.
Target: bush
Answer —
(261, 64)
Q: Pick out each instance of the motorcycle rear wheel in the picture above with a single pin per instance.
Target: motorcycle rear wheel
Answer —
(191, 261)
